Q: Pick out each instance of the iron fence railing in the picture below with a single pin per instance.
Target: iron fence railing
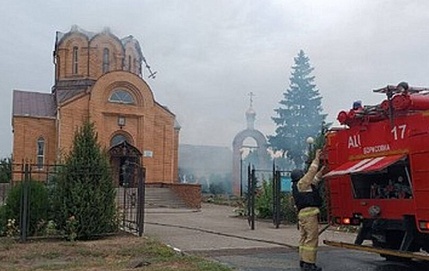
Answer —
(130, 196)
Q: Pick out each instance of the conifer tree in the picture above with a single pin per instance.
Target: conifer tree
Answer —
(84, 196)
(5, 170)
(300, 113)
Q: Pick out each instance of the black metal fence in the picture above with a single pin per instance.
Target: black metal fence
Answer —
(130, 196)
(274, 177)
(279, 182)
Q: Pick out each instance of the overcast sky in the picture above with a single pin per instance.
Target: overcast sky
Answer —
(210, 54)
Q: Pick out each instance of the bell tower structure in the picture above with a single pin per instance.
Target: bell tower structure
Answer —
(238, 148)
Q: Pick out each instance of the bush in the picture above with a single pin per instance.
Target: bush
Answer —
(3, 220)
(264, 204)
(264, 201)
(38, 206)
(289, 211)
(217, 189)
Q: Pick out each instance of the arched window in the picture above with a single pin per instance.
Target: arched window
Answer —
(119, 138)
(121, 96)
(75, 61)
(106, 60)
(40, 152)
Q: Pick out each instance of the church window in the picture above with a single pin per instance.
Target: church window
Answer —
(106, 61)
(40, 152)
(119, 138)
(121, 96)
(75, 61)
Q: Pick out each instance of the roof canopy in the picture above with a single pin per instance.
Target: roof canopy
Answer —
(365, 166)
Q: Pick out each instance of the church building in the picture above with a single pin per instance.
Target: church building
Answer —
(98, 76)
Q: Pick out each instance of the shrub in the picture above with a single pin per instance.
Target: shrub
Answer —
(264, 204)
(38, 206)
(216, 188)
(289, 211)
(3, 220)
(264, 201)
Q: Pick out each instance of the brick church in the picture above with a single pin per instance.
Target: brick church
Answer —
(98, 76)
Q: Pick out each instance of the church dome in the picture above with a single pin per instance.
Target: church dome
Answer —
(250, 111)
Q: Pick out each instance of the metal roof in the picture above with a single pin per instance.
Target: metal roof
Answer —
(34, 104)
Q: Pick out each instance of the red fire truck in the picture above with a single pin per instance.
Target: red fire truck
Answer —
(378, 172)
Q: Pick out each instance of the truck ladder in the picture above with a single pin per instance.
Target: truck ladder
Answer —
(397, 253)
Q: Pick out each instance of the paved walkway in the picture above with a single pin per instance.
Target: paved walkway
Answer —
(217, 227)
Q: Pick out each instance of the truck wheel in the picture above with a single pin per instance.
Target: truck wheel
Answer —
(393, 241)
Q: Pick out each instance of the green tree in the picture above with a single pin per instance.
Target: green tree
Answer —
(300, 113)
(84, 202)
(5, 170)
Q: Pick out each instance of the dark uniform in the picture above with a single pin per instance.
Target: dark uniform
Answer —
(307, 201)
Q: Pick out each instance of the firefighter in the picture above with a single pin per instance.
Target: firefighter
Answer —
(307, 201)
(357, 105)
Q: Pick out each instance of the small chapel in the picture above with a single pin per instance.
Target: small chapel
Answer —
(98, 76)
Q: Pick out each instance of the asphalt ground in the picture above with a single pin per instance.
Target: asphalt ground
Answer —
(217, 227)
(330, 259)
(216, 232)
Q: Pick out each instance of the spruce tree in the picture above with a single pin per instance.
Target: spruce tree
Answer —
(5, 170)
(300, 113)
(84, 195)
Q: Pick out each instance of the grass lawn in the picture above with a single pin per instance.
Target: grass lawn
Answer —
(122, 252)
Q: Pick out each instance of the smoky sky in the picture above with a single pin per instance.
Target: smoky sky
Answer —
(210, 54)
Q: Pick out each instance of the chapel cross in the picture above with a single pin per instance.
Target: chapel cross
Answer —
(251, 95)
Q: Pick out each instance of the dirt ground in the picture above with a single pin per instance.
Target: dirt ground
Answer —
(122, 252)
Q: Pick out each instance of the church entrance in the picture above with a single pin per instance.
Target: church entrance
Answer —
(129, 176)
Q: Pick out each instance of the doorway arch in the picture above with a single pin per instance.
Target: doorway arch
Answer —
(237, 146)
(123, 158)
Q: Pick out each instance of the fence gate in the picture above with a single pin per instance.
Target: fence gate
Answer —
(131, 197)
(279, 182)
(255, 177)
(129, 176)
(251, 191)
(281, 185)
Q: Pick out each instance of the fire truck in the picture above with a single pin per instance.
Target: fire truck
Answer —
(377, 174)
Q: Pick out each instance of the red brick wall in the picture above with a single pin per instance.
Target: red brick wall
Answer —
(26, 132)
(90, 55)
(70, 117)
(190, 193)
(65, 57)
(149, 124)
